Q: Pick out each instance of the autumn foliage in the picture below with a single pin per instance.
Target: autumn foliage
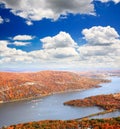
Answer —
(107, 102)
(111, 123)
(17, 86)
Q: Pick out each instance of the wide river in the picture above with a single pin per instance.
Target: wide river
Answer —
(51, 107)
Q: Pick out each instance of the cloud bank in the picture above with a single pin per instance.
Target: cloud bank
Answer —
(104, 1)
(101, 35)
(61, 40)
(35, 10)
(102, 49)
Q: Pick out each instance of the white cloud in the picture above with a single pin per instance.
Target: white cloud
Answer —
(99, 35)
(88, 50)
(102, 47)
(12, 55)
(54, 54)
(4, 20)
(16, 43)
(104, 1)
(59, 46)
(29, 23)
(50, 9)
(35, 10)
(1, 20)
(3, 45)
(23, 37)
(61, 40)
(62, 51)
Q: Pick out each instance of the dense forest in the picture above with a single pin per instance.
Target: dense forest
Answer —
(107, 102)
(17, 86)
(111, 123)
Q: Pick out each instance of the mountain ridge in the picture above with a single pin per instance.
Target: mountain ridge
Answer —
(17, 86)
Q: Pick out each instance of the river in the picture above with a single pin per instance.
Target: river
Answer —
(51, 107)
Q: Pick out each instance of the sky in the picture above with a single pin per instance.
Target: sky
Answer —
(59, 34)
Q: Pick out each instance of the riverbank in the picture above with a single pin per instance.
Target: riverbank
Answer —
(113, 123)
(40, 97)
(24, 86)
(96, 114)
(110, 103)
(107, 102)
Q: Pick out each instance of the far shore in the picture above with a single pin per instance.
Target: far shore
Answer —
(41, 96)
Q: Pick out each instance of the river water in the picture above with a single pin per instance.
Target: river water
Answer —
(51, 107)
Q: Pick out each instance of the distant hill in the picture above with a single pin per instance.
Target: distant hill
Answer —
(18, 86)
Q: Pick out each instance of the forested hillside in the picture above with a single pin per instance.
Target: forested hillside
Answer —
(111, 123)
(17, 86)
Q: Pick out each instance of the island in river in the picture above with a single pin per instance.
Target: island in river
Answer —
(109, 103)
(20, 86)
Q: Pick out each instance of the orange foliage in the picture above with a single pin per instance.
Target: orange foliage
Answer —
(108, 102)
(111, 123)
(16, 86)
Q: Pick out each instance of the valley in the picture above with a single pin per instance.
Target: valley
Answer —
(39, 90)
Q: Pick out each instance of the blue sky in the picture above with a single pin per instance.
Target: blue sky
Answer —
(57, 34)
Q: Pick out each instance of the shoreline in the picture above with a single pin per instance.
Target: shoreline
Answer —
(65, 89)
(97, 114)
(53, 93)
